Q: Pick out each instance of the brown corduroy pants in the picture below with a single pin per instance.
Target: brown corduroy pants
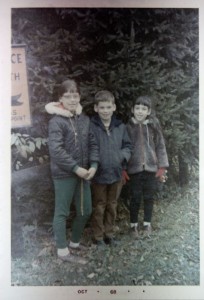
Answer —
(104, 207)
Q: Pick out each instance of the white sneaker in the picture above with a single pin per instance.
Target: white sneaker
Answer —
(147, 230)
(73, 259)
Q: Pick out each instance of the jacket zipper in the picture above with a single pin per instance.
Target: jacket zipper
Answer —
(81, 181)
(142, 148)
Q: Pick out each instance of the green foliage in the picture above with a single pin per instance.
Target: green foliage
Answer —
(27, 150)
(128, 51)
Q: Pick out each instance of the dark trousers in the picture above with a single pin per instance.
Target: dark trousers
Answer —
(104, 198)
(143, 186)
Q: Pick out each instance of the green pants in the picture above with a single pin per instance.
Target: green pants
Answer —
(68, 190)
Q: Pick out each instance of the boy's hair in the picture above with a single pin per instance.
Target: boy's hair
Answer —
(65, 86)
(144, 100)
(103, 96)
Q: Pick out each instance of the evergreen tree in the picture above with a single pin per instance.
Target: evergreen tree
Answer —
(130, 51)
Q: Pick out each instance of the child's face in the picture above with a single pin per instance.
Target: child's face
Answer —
(105, 110)
(141, 112)
(70, 100)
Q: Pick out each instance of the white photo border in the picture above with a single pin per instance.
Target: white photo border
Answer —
(81, 292)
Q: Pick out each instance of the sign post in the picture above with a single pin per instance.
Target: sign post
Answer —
(20, 104)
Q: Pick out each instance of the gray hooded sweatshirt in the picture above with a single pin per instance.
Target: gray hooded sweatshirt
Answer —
(149, 150)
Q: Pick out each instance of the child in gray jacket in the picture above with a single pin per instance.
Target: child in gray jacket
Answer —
(114, 152)
(147, 164)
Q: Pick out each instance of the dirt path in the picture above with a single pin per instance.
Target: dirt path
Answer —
(169, 257)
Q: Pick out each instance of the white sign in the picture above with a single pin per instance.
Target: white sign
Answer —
(20, 104)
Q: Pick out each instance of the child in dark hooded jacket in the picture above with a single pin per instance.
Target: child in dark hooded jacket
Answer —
(114, 153)
(147, 164)
(73, 159)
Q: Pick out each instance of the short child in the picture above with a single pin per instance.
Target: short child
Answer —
(114, 153)
(147, 163)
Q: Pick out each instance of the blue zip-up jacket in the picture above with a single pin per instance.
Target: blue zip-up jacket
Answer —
(114, 149)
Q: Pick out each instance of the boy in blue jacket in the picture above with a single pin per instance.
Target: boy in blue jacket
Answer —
(114, 153)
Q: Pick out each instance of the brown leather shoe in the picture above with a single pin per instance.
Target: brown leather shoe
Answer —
(111, 241)
(99, 243)
(73, 259)
(134, 233)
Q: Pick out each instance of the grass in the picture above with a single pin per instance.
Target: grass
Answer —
(169, 257)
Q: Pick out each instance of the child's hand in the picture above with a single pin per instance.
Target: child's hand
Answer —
(161, 174)
(81, 172)
(90, 173)
(125, 177)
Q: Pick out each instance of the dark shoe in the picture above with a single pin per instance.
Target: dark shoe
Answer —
(99, 243)
(111, 241)
(134, 233)
(147, 230)
(73, 259)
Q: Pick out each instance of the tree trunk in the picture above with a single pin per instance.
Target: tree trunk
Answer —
(183, 171)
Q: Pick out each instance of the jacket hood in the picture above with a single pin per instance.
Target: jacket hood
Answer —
(114, 121)
(57, 109)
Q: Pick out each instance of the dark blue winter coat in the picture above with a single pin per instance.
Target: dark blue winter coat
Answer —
(114, 149)
(71, 143)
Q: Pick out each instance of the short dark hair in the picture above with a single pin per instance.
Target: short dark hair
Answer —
(64, 87)
(103, 96)
(144, 100)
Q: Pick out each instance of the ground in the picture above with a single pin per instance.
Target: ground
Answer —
(169, 257)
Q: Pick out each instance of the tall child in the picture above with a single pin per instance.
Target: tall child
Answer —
(74, 158)
(114, 152)
(147, 164)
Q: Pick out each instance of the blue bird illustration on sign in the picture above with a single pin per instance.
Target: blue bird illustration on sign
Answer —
(15, 100)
